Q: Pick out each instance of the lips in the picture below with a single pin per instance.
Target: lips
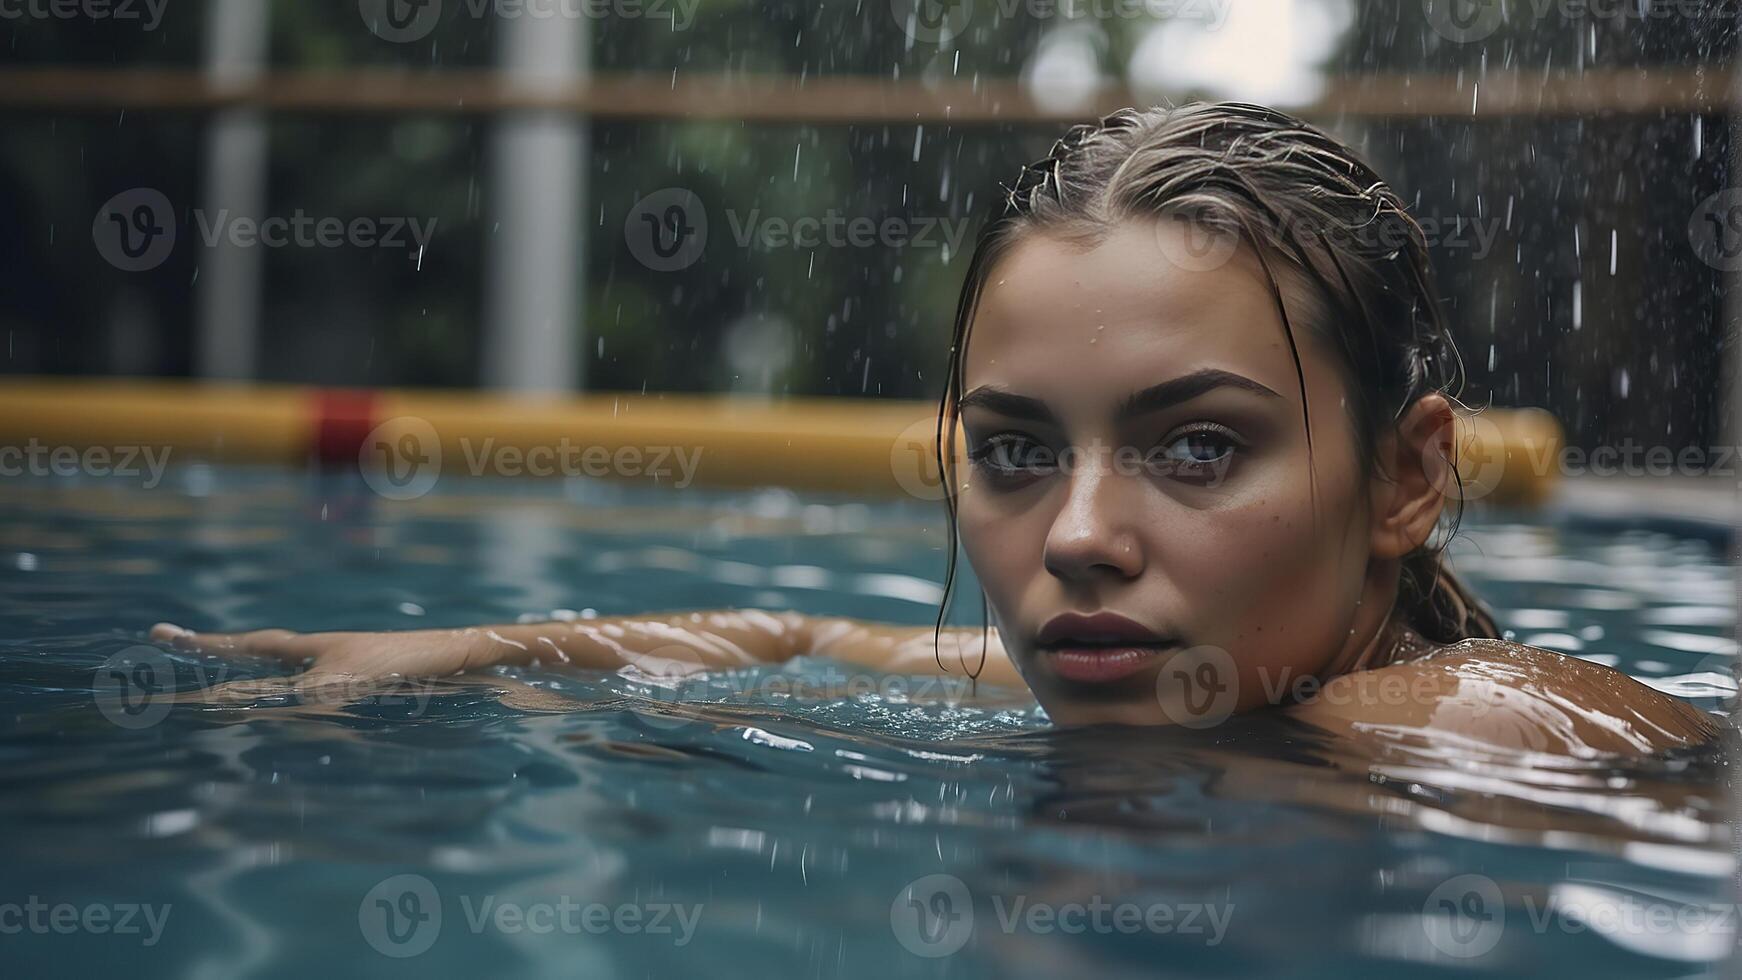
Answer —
(1099, 649)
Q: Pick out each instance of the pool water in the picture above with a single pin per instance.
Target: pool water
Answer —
(805, 820)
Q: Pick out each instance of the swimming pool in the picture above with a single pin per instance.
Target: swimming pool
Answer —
(808, 820)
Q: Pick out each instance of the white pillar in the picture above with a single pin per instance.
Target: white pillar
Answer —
(537, 169)
(1731, 397)
(228, 293)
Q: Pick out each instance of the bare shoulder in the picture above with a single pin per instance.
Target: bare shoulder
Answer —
(1510, 696)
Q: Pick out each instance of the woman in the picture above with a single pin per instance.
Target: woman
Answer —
(1208, 399)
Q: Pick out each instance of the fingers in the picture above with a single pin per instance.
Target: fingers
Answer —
(282, 644)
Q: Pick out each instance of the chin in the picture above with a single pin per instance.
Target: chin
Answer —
(1077, 714)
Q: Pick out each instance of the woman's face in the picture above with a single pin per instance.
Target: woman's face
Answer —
(1140, 507)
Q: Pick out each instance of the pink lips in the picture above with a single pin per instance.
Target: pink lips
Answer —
(1099, 649)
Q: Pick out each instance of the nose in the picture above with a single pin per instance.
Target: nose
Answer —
(1093, 533)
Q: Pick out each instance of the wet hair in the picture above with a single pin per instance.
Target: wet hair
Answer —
(1313, 212)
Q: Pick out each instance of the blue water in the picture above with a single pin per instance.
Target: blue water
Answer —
(785, 822)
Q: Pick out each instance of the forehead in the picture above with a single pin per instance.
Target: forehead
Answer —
(1089, 324)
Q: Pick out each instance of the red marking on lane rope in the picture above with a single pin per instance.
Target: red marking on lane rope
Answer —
(343, 418)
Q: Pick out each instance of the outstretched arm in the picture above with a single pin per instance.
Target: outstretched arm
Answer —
(677, 643)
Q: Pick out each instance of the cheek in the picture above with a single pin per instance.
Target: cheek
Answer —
(1267, 569)
(1001, 545)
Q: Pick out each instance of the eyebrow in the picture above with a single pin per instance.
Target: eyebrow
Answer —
(1155, 398)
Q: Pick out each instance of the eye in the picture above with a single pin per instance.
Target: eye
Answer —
(1193, 451)
(1013, 455)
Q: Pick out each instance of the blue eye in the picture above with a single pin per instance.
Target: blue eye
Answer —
(1198, 447)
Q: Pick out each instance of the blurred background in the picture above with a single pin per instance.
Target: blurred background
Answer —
(471, 193)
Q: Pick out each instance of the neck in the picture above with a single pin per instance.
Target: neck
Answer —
(1375, 629)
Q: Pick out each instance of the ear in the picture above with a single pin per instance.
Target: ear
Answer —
(1413, 477)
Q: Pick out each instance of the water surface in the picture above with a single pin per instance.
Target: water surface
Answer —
(804, 820)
